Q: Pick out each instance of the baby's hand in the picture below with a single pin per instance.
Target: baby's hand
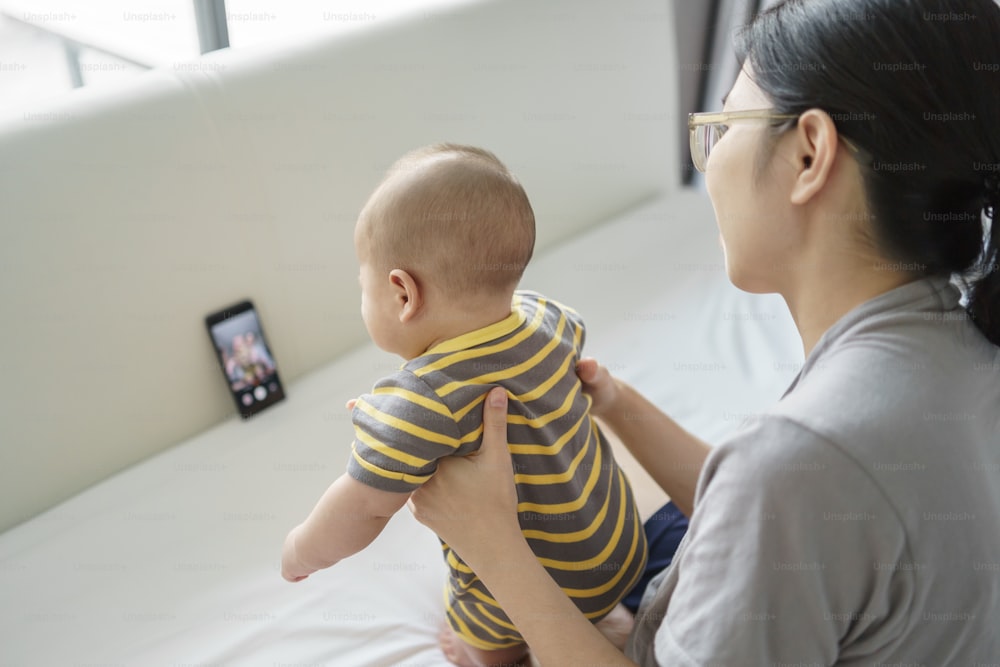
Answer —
(598, 383)
(288, 576)
(350, 404)
(291, 569)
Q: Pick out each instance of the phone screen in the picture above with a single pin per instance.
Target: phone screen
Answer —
(246, 358)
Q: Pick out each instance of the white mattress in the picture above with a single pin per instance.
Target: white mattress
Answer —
(174, 562)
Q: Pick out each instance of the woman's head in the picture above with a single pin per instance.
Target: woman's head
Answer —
(915, 84)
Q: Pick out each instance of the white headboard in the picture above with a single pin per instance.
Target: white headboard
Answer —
(129, 214)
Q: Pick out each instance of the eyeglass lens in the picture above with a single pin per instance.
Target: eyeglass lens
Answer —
(705, 138)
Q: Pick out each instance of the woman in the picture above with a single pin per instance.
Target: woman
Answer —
(858, 520)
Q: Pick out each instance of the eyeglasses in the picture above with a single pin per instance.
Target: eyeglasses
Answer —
(707, 128)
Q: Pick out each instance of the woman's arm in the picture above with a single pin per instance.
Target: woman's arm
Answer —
(672, 456)
(471, 504)
(345, 520)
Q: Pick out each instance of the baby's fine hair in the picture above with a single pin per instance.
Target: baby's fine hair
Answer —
(453, 215)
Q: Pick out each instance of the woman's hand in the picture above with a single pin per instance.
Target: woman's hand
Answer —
(471, 501)
(672, 456)
(599, 384)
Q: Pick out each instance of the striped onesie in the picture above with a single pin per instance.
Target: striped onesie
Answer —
(575, 505)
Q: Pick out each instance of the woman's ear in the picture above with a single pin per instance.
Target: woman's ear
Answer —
(816, 150)
(406, 293)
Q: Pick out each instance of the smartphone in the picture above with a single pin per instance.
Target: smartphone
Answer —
(245, 357)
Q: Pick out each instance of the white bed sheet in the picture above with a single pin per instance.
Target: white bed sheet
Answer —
(174, 562)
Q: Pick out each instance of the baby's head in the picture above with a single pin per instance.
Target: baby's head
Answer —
(451, 221)
(454, 216)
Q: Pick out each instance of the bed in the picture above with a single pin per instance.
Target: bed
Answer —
(174, 562)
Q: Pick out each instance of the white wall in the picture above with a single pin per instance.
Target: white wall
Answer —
(128, 214)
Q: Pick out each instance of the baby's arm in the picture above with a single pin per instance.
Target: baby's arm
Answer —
(345, 520)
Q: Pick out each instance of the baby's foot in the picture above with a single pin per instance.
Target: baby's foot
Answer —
(454, 648)
(617, 626)
(461, 654)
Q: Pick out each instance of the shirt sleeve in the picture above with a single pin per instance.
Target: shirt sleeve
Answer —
(791, 557)
(401, 429)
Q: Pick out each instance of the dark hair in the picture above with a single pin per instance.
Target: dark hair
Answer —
(916, 85)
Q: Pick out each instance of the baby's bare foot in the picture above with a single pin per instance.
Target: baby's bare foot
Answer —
(617, 626)
(454, 648)
(461, 654)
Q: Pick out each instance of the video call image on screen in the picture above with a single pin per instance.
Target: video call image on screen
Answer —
(247, 362)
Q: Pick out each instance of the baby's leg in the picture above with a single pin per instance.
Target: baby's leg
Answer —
(463, 655)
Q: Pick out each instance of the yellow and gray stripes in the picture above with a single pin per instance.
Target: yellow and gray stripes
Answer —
(575, 506)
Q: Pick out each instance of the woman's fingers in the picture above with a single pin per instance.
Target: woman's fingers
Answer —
(598, 384)
(587, 370)
(494, 454)
(471, 494)
(495, 425)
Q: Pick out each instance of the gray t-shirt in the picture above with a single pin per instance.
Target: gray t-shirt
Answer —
(858, 521)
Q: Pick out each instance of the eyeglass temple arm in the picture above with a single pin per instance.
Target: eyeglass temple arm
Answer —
(696, 119)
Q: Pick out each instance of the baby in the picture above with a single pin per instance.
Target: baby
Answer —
(442, 244)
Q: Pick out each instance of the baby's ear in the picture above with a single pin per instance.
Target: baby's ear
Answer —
(409, 298)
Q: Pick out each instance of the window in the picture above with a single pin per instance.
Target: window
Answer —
(48, 47)
(258, 21)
